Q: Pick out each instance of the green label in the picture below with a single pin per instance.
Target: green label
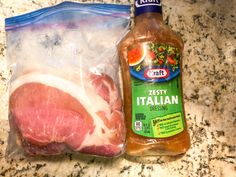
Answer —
(157, 107)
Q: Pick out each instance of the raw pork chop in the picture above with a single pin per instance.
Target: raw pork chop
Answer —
(52, 114)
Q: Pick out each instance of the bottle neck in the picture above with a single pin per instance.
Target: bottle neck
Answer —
(149, 17)
(147, 6)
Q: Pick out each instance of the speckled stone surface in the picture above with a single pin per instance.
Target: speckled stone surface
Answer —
(208, 28)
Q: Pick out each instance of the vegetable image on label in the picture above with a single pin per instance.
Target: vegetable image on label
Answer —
(136, 55)
(154, 62)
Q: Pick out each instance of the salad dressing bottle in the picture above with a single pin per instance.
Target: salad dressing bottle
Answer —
(150, 56)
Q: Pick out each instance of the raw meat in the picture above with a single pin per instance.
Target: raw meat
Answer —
(63, 89)
(52, 113)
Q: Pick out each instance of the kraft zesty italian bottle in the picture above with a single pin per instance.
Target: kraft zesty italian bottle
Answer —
(150, 56)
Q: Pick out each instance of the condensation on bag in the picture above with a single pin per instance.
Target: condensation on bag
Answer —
(64, 93)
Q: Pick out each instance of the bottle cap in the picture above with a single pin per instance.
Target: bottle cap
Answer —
(145, 6)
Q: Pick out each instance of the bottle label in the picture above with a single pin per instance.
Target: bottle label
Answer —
(157, 107)
(144, 6)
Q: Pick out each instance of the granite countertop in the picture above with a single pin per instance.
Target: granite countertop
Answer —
(209, 81)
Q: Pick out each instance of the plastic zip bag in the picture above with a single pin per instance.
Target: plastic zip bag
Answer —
(64, 91)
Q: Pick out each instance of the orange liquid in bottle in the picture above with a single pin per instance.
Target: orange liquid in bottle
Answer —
(150, 56)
